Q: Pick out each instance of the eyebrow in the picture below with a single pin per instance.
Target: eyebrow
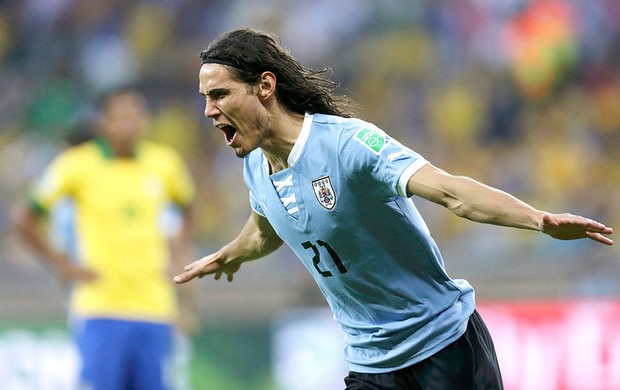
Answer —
(213, 91)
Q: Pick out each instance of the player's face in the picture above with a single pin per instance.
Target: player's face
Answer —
(124, 119)
(234, 108)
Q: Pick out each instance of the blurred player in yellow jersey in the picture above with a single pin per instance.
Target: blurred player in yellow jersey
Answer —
(122, 303)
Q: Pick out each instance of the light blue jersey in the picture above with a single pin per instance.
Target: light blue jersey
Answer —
(342, 207)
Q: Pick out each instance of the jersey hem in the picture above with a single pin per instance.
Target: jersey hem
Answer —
(416, 359)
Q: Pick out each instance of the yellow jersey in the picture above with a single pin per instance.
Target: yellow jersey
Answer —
(119, 205)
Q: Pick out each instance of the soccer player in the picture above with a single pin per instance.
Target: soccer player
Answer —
(337, 190)
(123, 304)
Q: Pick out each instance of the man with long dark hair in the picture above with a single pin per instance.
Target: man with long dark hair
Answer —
(337, 190)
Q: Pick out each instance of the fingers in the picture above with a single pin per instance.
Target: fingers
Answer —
(184, 277)
(571, 227)
(207, 266)
(597, 226)
(564, 219)
(229, 275)
(600, 238)
(193, 270)
(598, 232)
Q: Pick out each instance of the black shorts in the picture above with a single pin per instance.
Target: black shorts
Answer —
(469, 363)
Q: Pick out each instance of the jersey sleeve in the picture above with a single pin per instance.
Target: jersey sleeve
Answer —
(382, 163)
(179, 181)
(57, 181)
(256, 206)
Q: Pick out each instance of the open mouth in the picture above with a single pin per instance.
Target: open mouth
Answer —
(229, 132)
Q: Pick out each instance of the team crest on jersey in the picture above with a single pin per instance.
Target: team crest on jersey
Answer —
(324, 192)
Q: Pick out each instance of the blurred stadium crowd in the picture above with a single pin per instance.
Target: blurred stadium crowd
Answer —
(522, 95)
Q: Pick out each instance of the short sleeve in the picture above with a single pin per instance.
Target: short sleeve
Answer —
(57, 181)
(256, 206)
(377, 161)
(180, 183)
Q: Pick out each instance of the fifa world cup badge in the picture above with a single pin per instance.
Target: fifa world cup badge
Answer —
(324, 192)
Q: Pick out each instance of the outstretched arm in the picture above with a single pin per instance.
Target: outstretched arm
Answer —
(478, 202)
(257, 239)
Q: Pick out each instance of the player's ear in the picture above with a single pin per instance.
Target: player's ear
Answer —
(266, 85)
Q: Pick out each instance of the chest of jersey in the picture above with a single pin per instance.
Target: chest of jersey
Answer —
(337, 206)
(125, 192)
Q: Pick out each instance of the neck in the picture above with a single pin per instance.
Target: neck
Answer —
(122, 149)
(284, 131)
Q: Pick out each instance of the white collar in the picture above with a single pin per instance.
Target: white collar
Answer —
(298, 147)
(301, 140)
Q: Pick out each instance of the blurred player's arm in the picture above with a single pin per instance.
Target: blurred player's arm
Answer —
(257, 239)
(28, 224)
(478, 202)
(180, 253)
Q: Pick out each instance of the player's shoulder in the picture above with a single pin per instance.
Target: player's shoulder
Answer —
(334, 122)
(75, 160)
(156, 147)
(341, 125)
(352, 134)
(79, 153)
(157, 151)
(333, 130)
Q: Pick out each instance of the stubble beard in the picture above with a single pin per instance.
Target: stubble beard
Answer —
(261, 131)
(239, 152)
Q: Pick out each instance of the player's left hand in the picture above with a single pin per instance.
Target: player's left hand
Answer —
(572, 227)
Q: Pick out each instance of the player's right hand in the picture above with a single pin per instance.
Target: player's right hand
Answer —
(208, 265)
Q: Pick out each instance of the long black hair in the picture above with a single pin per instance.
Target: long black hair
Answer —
(248, 53)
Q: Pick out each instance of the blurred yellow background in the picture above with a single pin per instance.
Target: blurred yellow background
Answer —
(522, 95)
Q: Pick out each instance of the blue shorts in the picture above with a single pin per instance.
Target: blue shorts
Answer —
(119, 354)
